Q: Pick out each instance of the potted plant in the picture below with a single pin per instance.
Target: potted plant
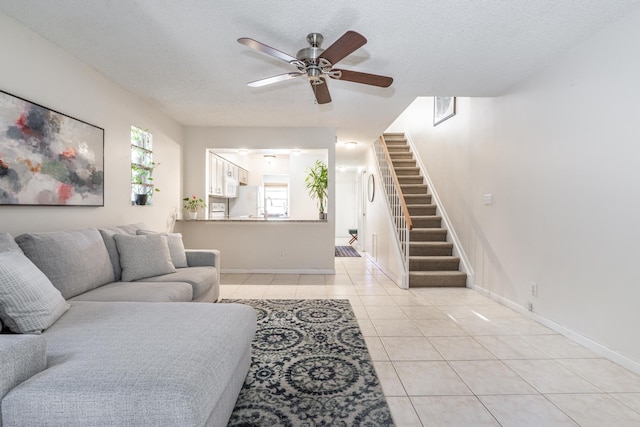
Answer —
(192, 204)
(142, 182)
(317, 182)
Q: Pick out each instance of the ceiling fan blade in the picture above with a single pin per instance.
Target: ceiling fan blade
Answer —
(364, 78)
(275, 79)
(253, 44)
(321, 92)
(344, 46)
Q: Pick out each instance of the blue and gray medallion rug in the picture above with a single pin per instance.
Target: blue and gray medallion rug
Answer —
(309, 367)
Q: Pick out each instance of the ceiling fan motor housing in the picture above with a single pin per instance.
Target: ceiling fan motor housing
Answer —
(313, 66)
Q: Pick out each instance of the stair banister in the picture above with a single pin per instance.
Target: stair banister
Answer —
(396, 204)
(396, 182)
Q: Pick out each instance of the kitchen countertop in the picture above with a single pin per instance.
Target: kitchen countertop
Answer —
(250, 219)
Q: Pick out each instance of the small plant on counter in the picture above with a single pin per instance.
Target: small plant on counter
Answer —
(193, 203)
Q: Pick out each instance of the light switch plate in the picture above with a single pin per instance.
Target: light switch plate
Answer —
(487, 199)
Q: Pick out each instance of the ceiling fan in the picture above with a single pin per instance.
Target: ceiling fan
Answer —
(316, 63)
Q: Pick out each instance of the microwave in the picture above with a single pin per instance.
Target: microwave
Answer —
(230, 187)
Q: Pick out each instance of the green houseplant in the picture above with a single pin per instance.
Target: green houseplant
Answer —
(317, 182)
(142, 182)
(192, 204)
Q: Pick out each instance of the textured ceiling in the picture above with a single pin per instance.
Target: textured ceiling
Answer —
(182, 55)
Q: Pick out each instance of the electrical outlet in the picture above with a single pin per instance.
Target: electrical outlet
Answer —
(281, 255)
(534, 289)
(529, 306)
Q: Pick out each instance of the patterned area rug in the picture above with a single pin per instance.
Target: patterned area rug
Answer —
(309, 367)
(346, 251)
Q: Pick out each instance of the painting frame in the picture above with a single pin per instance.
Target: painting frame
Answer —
(48, 158)
(444, 107)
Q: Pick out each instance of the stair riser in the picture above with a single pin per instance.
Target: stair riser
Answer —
(428, 235)
(399, 149)
(414, 189)
(434, 265)
(437, 282)
(417, 250)
(408, 172)
(404, 163)
(418, 199)
(410, 180)
(398, 143)
(426, 222)
(401, 156)
(427, 210)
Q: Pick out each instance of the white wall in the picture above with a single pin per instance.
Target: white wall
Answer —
(34, 69)
(559, 153)
(379, 234)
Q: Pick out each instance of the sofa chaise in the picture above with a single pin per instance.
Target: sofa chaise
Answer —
(105, 327)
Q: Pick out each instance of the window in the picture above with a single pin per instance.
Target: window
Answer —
(276, 198)
(142, 166)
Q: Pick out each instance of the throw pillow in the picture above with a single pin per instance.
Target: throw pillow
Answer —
(176, 247)
(7, 242)
(75, 261)
(29, 303)
(143, 256)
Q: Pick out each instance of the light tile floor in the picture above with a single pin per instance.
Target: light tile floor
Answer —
(453, 357)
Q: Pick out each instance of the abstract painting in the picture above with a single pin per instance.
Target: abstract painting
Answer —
(48, 158)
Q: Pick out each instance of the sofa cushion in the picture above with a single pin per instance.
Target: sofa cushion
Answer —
(29, 302)
(75, 261)
(21, 357)
(201, 278)
(143, 256)
(110, 243)
(7, 242)
(140, 292)
(176, 247)
(135, 364)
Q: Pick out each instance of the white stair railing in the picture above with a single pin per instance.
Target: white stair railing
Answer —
(395, 203)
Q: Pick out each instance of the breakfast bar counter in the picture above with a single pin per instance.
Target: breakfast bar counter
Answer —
(280, 245)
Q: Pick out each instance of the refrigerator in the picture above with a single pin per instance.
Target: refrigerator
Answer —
(249, 203)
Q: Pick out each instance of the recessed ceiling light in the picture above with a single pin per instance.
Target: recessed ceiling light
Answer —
(243, 151)
(350, 144)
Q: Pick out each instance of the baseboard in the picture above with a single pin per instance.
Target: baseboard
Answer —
(597, 348)
(275, 271)
(464, 259)
(385, 271)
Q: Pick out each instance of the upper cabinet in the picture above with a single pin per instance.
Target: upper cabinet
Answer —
(243, 176)
(224, 176)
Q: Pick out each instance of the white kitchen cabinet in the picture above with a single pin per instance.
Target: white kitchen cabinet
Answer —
(243, 176)
(223, 177)
(216, 175)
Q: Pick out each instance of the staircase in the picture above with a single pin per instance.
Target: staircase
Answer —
(431, 260)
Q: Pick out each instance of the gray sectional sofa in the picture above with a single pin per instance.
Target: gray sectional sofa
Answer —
(106, 327)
